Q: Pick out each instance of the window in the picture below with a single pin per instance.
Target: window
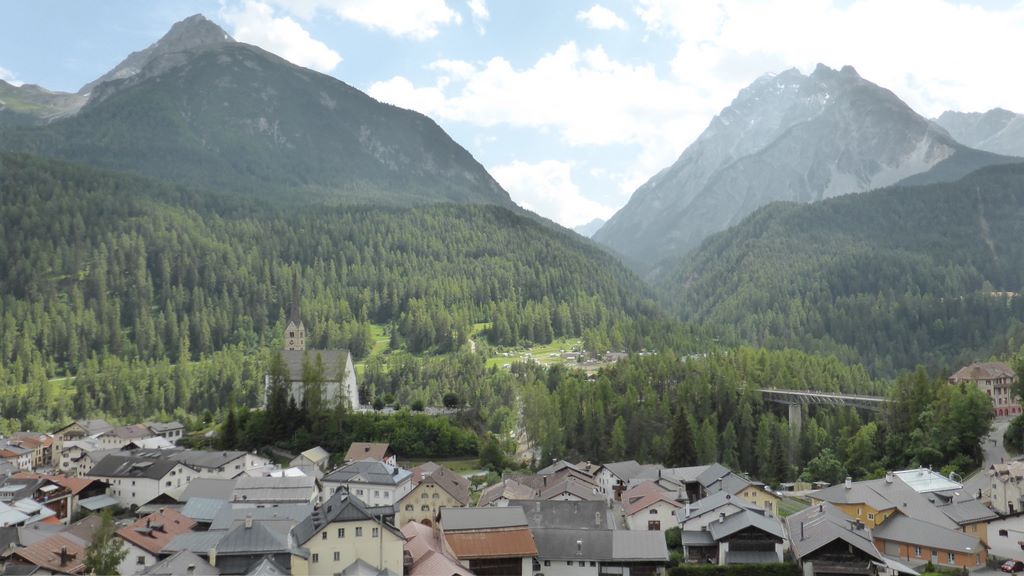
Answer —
(424, 496)
(140, 560)
(316, 557)
(436, 496)
(592, 563)
(408, 507)
(871, 516)
(653, 511)
(323, 535)
(341, 532)
(547, 562)
(917, 551)
(359, 492)
(337, 556)
(424, 508)
(376, 532)
(359, 531)
(387, 494)
(1004, 533)
(568, 562)
(168, 482)
(376, 493)
(952, 557)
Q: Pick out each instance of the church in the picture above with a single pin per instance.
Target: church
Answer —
(339, 373)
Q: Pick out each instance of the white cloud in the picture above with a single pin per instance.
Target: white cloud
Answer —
(547, 188)
(7, 76)
(601, 18)
(478, 9)
(417, 19)
(934, 54)
(254, 22)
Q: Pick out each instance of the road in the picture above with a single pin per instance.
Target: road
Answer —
(995, 453)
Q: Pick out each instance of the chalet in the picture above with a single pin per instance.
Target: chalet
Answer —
(267, 491)
(825, 541)
(312, 462)
(499, 495)
(743, 537)
(172, 430)
(119, 436)
(697, 515)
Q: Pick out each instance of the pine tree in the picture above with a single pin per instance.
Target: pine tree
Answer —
(682, 450)
(229, 433)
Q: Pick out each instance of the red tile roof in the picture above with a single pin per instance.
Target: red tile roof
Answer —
(47, 554)
(371, 450)
(155, 531)
(75, 485)
(492, 543)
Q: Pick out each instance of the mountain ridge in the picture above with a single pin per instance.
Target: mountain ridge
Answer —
(786, 137)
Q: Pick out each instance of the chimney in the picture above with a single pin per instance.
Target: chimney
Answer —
(248, 520)
(888, 477)
(63, 555)
(848, 483)
(721, 517)
(579, 547)
(212, 557)
(191, 569)
(801, 531)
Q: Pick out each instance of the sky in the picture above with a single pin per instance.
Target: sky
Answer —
(570, 105)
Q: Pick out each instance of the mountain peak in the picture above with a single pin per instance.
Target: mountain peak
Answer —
(196, 31)
(192, 32)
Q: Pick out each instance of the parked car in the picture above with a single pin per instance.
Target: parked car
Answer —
(1012, 566)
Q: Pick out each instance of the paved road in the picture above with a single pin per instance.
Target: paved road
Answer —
(995, 453)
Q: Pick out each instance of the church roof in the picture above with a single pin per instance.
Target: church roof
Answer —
(335, 363)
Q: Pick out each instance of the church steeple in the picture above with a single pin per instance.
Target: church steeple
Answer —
(295, 331)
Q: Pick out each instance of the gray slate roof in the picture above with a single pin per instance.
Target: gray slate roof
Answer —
(335, 362)
(206, 458)
(213, 488)
(293, 513)
(267, 567)
(712, 503)
(115, 466)
(255, 539)
(565, 514)
(746, 519)
(369, 472)
(198, 542)
(204, 509)
(179, 563)
(293, 489)
(600, 545)
(623, 470)
(696, 538)
(341, 507)
(817, 526)
(899, 528)
(455, 519)
(712, 473)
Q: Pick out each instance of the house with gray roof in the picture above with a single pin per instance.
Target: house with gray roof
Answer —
(219, 463)
(182, 563)
(825, 541)
(267, 490)
(134, 481)
(743, 537)
(697, 515)
(916, 542)
(344, 531)
(372, 481)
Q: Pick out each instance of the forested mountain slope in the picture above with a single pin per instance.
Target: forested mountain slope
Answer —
(94, 263)
(890, 278)
(200, 109)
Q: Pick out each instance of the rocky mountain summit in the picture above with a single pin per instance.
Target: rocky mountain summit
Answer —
(786, 137)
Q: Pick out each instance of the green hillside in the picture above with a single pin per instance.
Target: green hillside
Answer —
(890, 278)
(101, 265)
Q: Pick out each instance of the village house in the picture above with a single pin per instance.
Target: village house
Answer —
(312, 462)
(267, 491)
(697, 515)
(427, 552)
(380, 451)
(172, 430)
(648, 507)
(1007, 493)
(743, 537)
(434, 487)
(117, 437)
(134, 480)
(490, 540)
(146, 537)
(372, 481)
(996, 380)
(345, 534)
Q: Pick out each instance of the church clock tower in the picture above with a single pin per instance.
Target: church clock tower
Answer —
(295, 331)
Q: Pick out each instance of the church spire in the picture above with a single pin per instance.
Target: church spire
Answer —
(295, 331)
(293, 313)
